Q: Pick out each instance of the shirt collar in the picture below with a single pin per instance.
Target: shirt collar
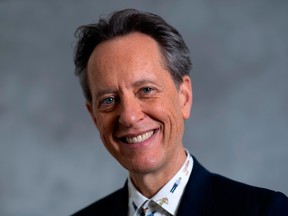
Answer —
(170, 194)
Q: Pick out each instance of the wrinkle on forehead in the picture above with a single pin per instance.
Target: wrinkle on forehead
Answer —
(124, 51)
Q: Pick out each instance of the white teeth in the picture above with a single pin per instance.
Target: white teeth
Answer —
(139, 138)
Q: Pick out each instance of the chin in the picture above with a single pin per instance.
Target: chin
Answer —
(144, 167)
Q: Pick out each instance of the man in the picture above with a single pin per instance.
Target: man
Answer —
(134, 71)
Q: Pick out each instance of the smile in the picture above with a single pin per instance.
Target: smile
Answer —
(139, 138)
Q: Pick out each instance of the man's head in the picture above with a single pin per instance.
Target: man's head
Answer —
(136, 102)
(174, 51)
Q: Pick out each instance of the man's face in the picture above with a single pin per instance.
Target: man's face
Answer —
(135, 104)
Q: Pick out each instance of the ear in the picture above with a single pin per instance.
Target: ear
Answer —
(90, 110)
(185, 96)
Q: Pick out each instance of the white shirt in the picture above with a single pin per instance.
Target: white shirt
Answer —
(167, 200)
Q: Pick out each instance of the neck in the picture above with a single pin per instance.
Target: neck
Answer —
(150, 183)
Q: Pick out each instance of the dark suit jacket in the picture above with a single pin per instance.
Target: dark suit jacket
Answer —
(205, 194)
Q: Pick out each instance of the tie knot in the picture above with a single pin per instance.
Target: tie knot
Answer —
(149, 208)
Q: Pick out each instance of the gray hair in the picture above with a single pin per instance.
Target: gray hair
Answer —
(172, 46)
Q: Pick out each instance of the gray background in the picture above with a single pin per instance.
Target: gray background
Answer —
(51, 159)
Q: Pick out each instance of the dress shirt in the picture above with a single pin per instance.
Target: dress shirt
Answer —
(167, 200)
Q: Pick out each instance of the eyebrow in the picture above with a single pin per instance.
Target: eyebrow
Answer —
(135, 84)
(105, 91)
(145, 81)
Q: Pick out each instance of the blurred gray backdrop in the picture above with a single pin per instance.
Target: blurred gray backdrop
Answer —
(51, 159)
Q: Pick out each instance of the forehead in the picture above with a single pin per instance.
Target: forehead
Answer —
(133, 39)
(132, 52)
(135, 44)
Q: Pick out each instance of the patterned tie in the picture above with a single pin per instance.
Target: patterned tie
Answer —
(148, 209)
(151, 208)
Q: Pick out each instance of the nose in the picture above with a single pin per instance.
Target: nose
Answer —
(130, 112)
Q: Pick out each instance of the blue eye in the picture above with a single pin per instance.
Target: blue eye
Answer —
(147, 90)
(108, 100)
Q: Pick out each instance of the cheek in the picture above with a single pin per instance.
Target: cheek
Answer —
(104, 125)
(174, 118)
(169, 114)
(106, 133)
(172, 107)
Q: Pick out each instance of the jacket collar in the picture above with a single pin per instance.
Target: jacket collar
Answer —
(197, 198)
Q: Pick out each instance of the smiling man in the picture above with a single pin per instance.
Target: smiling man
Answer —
(134, 71)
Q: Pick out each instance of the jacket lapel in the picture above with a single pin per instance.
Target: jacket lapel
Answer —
(122, 209)
(197, 198)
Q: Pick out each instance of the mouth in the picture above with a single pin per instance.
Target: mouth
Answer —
(138, 138)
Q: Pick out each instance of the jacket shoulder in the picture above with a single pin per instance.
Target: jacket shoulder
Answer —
(113, 204)
(255, 200)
